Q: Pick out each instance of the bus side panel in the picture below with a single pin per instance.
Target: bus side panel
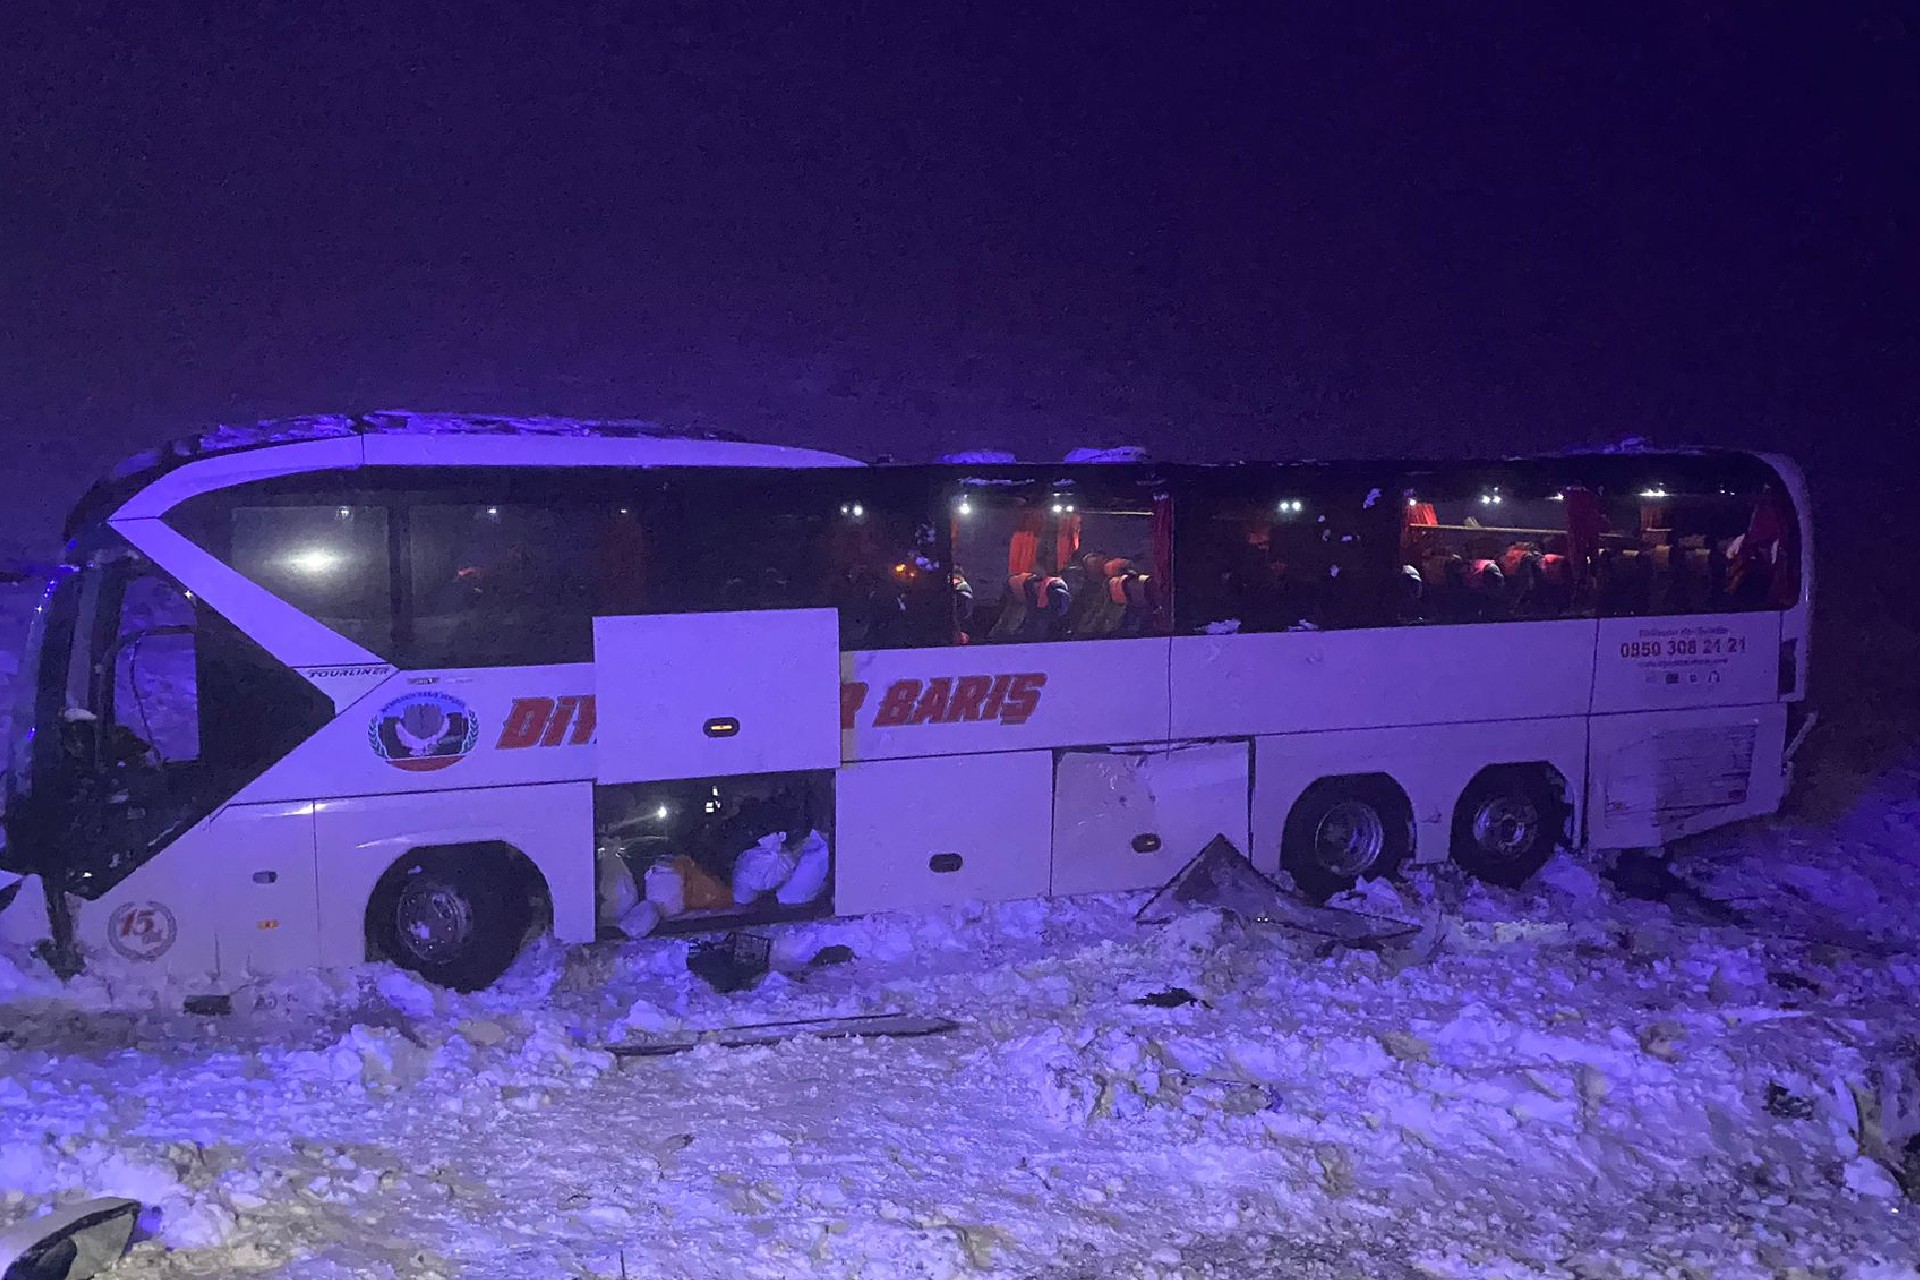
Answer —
(359, 838)
(1433, 765)
(1230, 686)
(1002, 697)
(1131, 818)
(935, 832)
(197, 911)
(447, 731)
(269, 886)
(1701, 660)
(1660, 775)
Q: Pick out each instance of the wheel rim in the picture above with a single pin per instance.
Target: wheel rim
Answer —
(1349, 838)
(435, 920)
(1506, 827)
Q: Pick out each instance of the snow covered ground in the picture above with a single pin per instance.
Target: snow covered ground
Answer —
(1566, 1082)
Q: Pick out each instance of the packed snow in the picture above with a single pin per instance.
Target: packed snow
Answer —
(1614, 1073)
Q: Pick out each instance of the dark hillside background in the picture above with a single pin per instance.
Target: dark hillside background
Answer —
(1213, 229)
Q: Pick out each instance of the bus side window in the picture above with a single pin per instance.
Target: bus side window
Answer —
(1035, 566)
(743, 540)
(1290, 557)
(498, 584)
(156, 694)
(327, 560)
(1705, 550)
(885, 575)
(1499, 546)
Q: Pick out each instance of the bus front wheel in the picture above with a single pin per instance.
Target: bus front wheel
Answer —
(1344, 829)
(455, 916)
(1507, 824)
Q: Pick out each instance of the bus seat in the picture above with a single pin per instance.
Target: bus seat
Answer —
(1048, 601)
(1013, 611)
(1083, 579)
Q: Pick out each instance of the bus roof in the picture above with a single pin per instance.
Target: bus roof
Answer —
(152, 482)
(403, 437)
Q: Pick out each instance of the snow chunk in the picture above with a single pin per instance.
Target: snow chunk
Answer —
(407, 993)
(1116, 453)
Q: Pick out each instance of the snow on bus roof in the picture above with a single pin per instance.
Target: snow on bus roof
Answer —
(231, 437)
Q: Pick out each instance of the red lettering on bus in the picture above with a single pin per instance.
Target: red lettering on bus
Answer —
(967, 697)
(526, 720)
(898, 704)
(1023, 698)
(546, 722)
(852, 697)
(564, 709)
(996, 694)
(933, 703)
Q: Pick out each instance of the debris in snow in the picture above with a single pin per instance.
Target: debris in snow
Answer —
(1171, 998)
(978, 457)
(1220, 876)
(73, 1242)
(835, 953)
(887, 1025)
(218, 1005)
(1647, 875)
(734, 963)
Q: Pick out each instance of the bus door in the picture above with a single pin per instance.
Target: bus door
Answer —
(718, 736)
(149, 712)
(104, 768)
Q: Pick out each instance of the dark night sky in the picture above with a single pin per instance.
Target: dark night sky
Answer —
(908, 228)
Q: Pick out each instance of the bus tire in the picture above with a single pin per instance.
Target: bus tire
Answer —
(1509, 821)
(457, 915)
(1342, 829)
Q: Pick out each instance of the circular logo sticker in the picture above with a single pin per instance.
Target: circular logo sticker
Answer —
(423, 731)
(142, 930)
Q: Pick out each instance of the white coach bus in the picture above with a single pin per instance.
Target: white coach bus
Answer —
(421, 688)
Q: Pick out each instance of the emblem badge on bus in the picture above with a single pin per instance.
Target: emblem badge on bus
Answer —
(424, 731)
(142, 930)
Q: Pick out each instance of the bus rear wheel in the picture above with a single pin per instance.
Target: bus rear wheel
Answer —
(1343, 829)
(1507, 824)
(458, 917)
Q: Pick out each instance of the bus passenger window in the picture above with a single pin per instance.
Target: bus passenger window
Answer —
(1035, 567)
(884, 575)
(1495, 547)
(327, 560)
(1286, 560)
(1683, 551)
(499, 585)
